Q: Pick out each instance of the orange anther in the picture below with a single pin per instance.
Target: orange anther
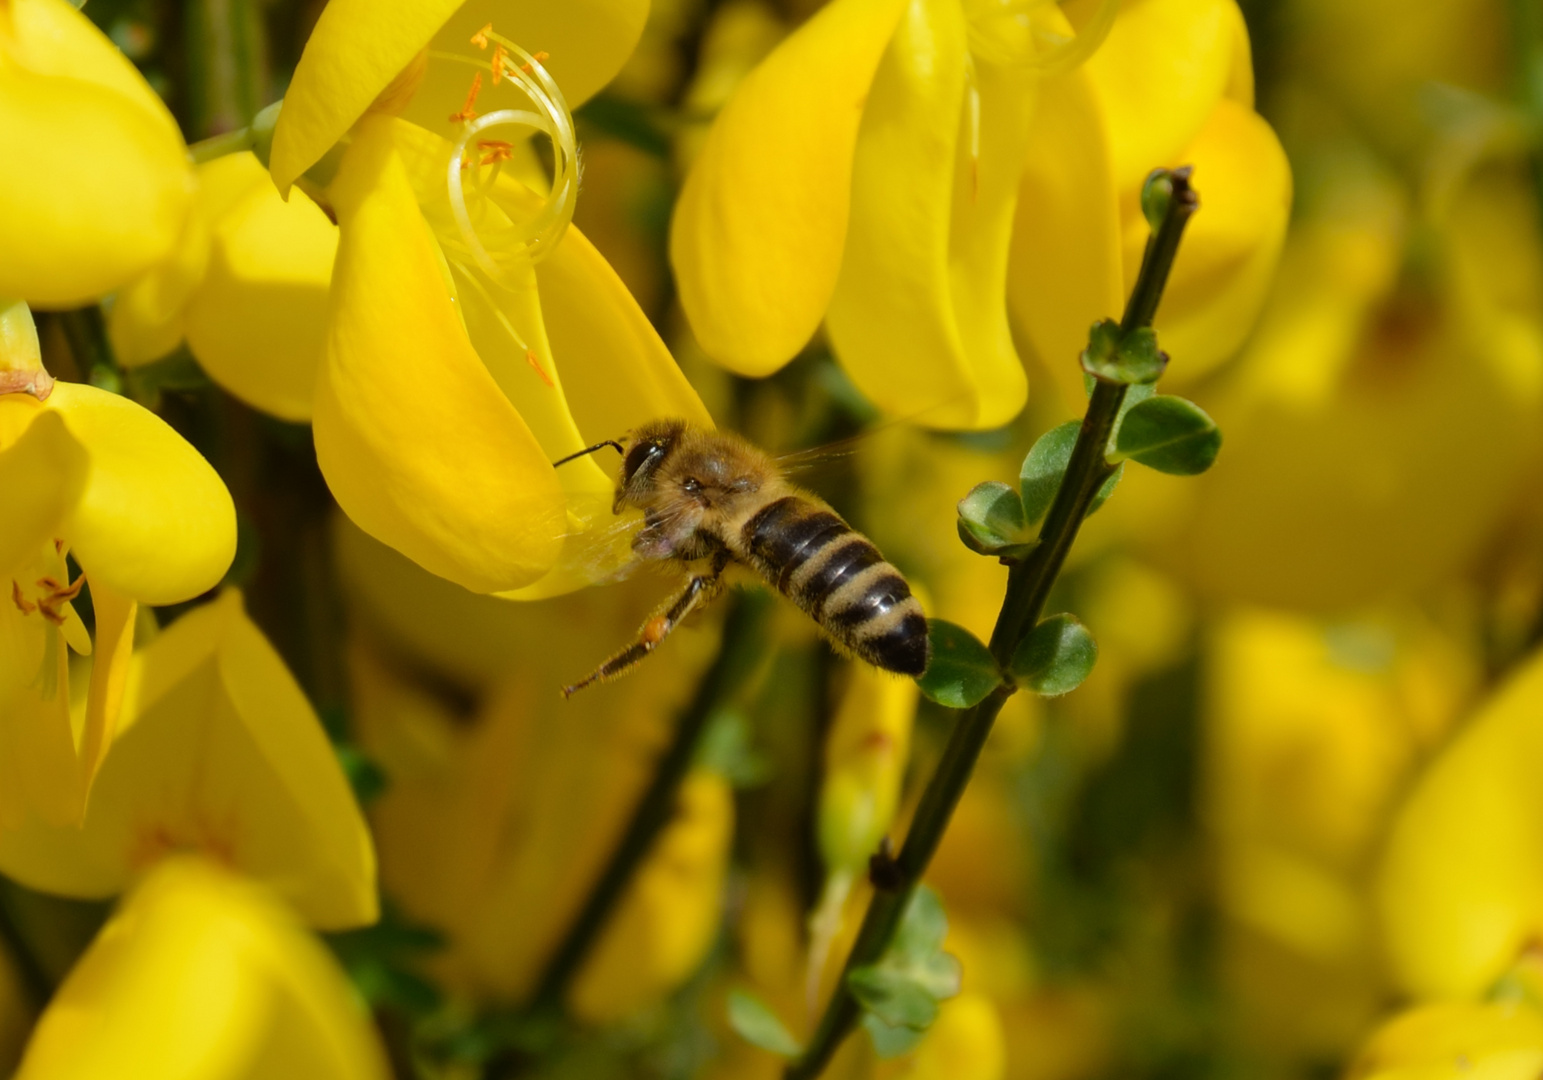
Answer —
(540, 58)
(468, 110)
(26, 606)
(500, 57)
(497, 150)
(530, 358)
(480, 38)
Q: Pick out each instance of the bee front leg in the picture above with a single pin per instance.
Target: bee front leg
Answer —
(698, 591)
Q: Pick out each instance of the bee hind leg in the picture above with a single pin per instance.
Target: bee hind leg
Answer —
(698, 591)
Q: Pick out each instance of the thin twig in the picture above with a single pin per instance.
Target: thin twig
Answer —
(1028, 586)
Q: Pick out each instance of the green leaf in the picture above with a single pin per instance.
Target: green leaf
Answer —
(991, 521)
(890, 1040)
(1040, 477)
(1115, 356)
(1055, 656)
(904, 988)
(1171, 435)
(755, 1022)
(962, 671)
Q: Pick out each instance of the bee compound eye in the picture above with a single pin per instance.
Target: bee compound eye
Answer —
(637, 455)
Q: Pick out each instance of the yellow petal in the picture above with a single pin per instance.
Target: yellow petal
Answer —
(1159, 74)
(39, 773)
(586, 42)
(759, 229)
(1461, 883)
(1494, 1040)
(668, 917)
(43, 471)
(110, 660)
(221, 753)
(865, 759)
(73, 234)
(356, 48)
(1065, 271)
(155, 521)
(417, 442)
(919, 314)
(145, 321)
(201, 974)
(1228, 258)
(257, 320)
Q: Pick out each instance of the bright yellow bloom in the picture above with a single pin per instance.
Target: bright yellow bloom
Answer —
(96, 477)
(246, 287)
(1461, 883)
(94, 176)
(1455, 1041)
(221, 754)
(360, 46)
(202, 976)
(870, 170)
(1370, 389)
(1173, 85)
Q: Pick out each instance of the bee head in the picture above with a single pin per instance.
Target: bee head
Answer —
(647, 449)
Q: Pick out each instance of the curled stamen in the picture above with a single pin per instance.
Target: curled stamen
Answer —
(480, 38)
(550, 116)
(497, 63)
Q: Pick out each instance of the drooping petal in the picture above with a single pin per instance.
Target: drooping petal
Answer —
(43, 470)
(73, 234)
(918, 317)
(586, 42)
(761, 222)
(111, 657)
(1159, 74)
(1461, 883)
(219, 752)
(257, 319)
(1228, 258)
(203, 974)
(418, 443)
(155, 521)
(356, 48)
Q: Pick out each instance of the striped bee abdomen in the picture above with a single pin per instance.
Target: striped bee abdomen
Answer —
(840, 580)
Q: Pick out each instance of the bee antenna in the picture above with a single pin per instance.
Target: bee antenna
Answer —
(601, 445)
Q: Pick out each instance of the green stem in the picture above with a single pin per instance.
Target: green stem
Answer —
(741, 636)
(218, 146)
(1028, 587)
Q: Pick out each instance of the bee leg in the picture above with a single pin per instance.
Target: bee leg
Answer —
(698, 591)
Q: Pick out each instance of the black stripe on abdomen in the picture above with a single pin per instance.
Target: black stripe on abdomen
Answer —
(785, 534)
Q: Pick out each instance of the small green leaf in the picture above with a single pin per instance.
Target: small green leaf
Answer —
(1040, 476)
(1042, 472)
(962, 671)
(755, 1022)
(991, 520)
(1120, 357)
(1171, 435)
(923, 926)
(904, 988)
(1055, 656)
(894, 996)
(889, 1040)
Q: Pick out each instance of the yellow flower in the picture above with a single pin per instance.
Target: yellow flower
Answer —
(221, 754)
(1461, 882)
(246, 287)
(1453, 1040)
(469, 839)
(1382, 420)
(360, 46)
(201, 975)
(1173, 85)
(472, 338)
(96, 477)
(870, 170)
(94, 176)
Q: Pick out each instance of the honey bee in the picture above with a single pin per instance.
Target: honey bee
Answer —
(711, 501)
